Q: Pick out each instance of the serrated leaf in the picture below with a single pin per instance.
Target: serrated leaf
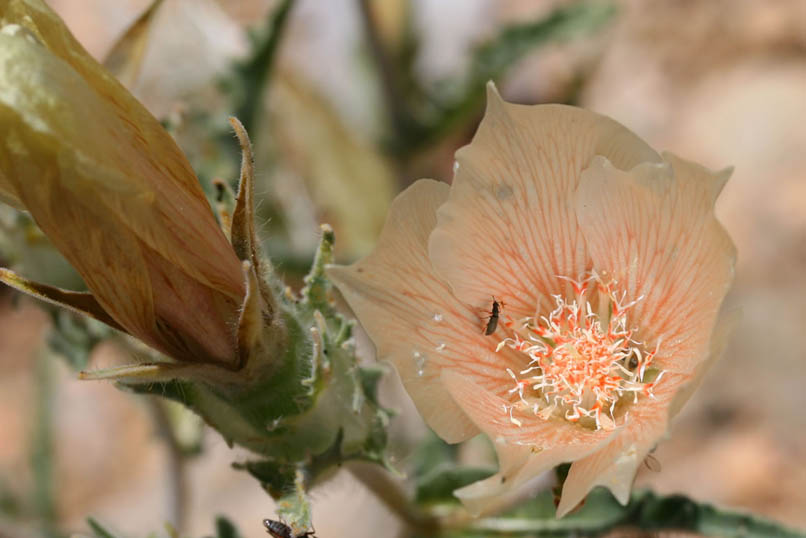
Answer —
(492, 59)
(224, 528)
(276, 477)
(347, 178)
(370, 376)
(125, 58)
(99, 530)
(161, 70)
(432, 453)
(438, 485)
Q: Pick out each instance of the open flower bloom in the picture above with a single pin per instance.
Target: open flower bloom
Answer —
(608, 266)
(114, 194)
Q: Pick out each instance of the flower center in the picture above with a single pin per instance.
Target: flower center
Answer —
(584, 364)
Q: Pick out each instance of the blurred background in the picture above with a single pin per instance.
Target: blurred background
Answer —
(353, 102)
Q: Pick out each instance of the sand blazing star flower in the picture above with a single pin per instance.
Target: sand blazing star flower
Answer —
(611, 267)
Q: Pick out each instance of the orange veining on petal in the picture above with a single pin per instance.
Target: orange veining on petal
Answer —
(583, 363)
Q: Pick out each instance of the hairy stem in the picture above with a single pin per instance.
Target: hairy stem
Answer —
(177, 476)
(42, 446)
(391, 494)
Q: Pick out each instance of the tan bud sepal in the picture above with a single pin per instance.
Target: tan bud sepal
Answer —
(79, 302)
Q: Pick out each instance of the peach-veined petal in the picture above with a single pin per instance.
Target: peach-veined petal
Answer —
(725, 323)
(414, 320)
(509, 227)
(615, 465)
(105, 148)
(519, 467)
(491, 414)
(526, 445)
(653, 229)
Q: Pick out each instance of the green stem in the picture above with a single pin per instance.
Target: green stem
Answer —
(647, 512)
(392, 495)
(177, 477)
(42, 446)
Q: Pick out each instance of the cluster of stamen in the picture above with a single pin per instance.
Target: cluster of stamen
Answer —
(584, 365)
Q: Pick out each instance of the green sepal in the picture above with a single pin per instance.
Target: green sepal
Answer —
(314, 397)
(259, 417)
(275, 477)
(317, 290)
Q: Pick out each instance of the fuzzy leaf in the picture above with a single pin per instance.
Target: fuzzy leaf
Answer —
(224, 528)
(438, 486)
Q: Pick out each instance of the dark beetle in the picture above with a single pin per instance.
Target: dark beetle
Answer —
(278, 529)
(492, 321)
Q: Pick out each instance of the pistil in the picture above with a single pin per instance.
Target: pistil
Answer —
(584, 363)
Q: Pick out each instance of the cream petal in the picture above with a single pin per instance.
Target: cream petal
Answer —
(491, 414)
(653, 229)
(725, 323)
(509, 227)
(517, 466)
(414, 320)
(616, 464)
(481, 496)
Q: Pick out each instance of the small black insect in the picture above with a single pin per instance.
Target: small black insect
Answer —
(492, 321)
(278, 529)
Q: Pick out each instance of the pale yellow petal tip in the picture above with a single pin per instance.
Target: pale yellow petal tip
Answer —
(564, 507)
(138, 373)
(120, 373)
(6, 276)
(342, 276)
(495, 103)
(622, 492)
(473, 502)
(717, 178)
(492, 92)
(568, 503)
(485, 496)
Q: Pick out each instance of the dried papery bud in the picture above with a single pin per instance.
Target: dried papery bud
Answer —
(561, 296)
(113, 193)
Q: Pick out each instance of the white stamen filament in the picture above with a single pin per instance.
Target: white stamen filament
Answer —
(579, 363)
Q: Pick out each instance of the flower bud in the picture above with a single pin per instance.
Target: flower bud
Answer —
(114, 194)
